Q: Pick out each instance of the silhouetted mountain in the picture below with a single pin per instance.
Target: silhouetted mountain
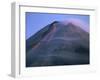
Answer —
(58, 44)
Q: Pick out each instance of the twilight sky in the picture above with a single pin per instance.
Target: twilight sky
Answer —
(36, 21)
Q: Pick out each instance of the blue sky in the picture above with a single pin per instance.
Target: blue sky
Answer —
(36, 21)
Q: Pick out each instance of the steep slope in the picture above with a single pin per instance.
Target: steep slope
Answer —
(33, 40)
(58, 44)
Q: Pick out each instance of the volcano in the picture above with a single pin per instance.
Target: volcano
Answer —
(58, 44)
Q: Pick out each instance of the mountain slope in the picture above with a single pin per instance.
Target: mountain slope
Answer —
(58, 44)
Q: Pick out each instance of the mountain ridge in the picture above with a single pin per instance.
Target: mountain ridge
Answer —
(58, 40)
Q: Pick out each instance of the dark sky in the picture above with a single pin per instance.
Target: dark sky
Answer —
(36, 21)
